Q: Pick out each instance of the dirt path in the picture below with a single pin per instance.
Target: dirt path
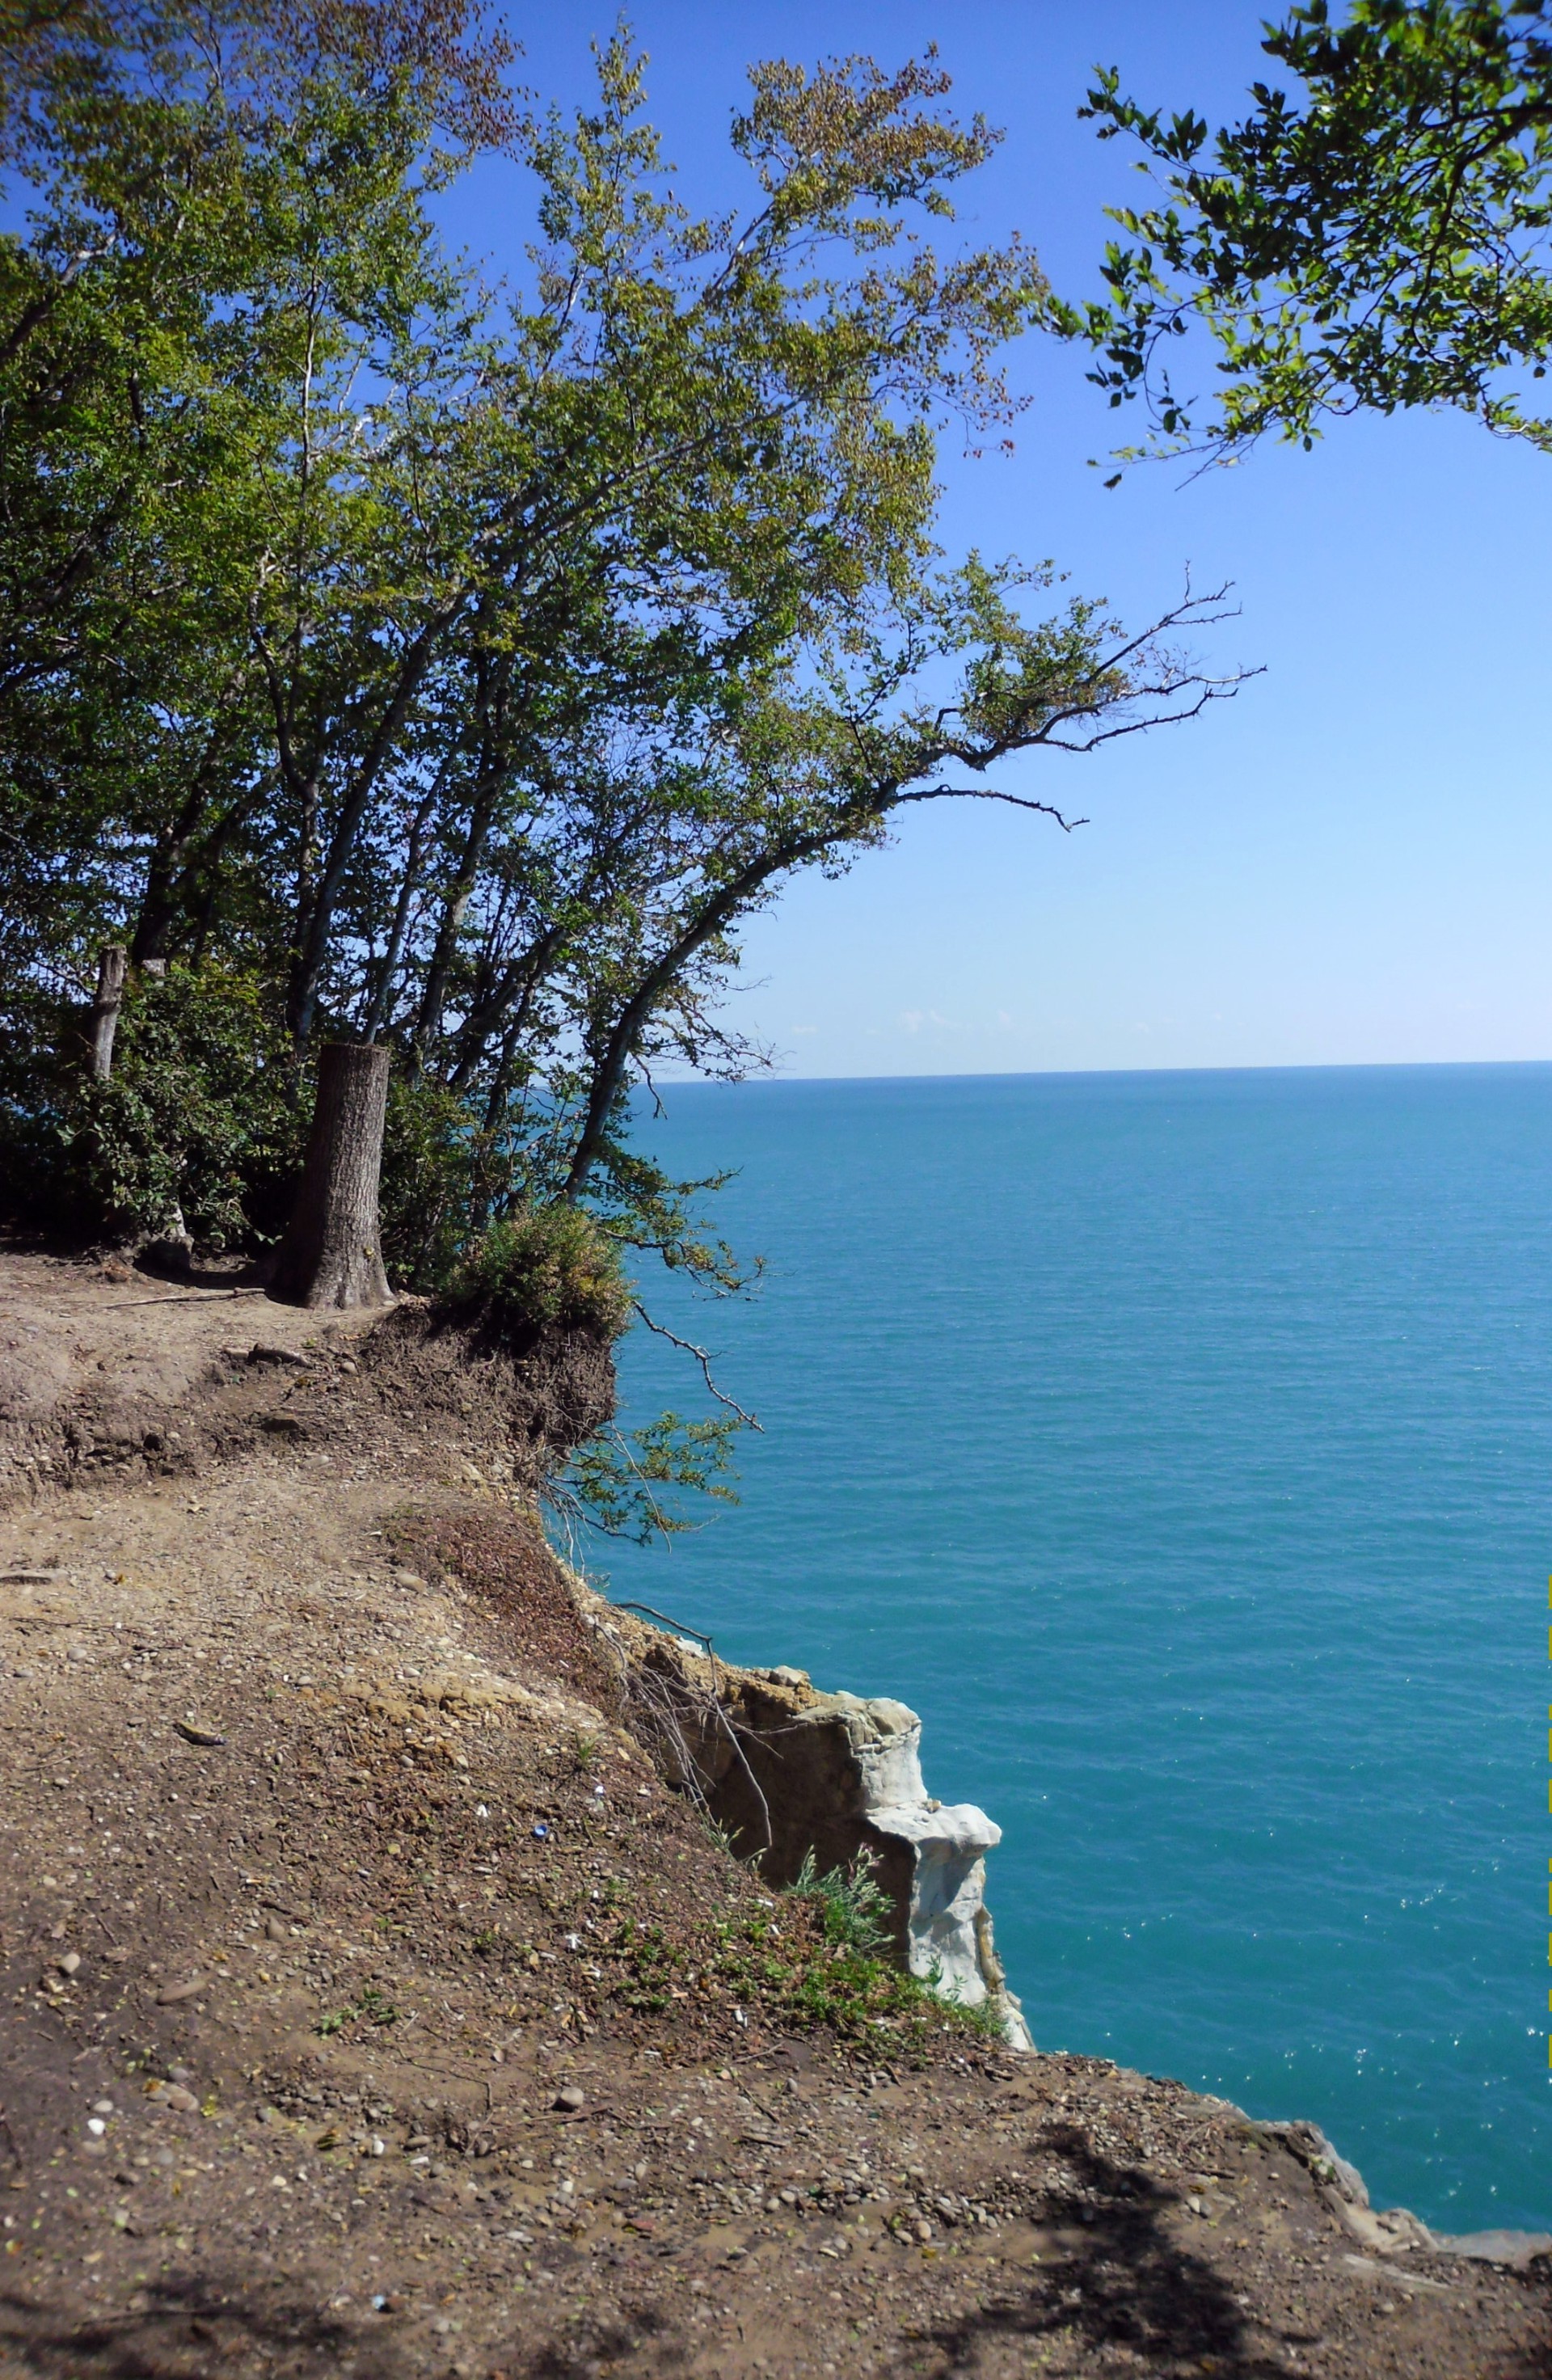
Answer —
(369, 2004)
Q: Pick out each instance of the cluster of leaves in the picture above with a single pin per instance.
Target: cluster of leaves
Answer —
(854, 1907)
(199, 1129)
(622, 1482)
(1379, 241)
(371, 2006)
(546, 1268)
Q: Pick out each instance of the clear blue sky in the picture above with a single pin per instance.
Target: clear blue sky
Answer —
(1352, 862)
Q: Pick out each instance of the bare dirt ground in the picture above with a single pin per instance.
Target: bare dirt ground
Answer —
(372, 2007)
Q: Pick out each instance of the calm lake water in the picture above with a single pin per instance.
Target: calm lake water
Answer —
(1180, 1446)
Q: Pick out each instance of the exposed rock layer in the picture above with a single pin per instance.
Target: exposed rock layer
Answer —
(791, 1773)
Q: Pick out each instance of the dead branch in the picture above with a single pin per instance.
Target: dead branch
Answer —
(704, 1358)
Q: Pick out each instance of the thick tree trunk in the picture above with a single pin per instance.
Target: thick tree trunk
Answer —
(331, 1255)
(112, 965)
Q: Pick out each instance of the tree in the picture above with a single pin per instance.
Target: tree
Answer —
(232, 220)
(1379, 241)
(814, 768)
(451, 672)
(331, 1254)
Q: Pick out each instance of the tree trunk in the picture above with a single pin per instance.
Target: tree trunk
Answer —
(331, 1255)
(112, 967)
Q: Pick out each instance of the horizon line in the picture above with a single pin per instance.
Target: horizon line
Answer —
(774, 1078)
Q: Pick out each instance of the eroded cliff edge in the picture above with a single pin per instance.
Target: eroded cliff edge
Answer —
(791, 1773)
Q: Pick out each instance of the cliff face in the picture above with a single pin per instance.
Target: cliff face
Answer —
(788, 1771)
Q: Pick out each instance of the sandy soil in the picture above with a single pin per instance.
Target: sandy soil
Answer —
(367, 2005)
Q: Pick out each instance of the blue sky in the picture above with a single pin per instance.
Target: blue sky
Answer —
(1350, 863)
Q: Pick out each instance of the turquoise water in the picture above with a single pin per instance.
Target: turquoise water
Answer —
(1178, 1446)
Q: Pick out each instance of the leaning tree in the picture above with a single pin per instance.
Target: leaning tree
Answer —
(458, 670)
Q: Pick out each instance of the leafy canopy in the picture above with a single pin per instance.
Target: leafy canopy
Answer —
(411, 660)
(1377, 240)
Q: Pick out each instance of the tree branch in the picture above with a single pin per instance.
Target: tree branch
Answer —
(702, 1357)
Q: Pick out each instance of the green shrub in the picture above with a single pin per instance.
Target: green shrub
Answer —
(852, 1906)
(546, 1267)
(441, 1177)
(202, 1119)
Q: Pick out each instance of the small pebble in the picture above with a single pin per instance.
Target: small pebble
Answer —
(70, 1964)
(571, 2101)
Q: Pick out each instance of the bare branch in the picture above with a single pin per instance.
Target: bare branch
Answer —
(990, 794)
(703, 1358)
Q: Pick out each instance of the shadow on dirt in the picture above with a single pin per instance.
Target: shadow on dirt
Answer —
(170, 1261)
(1129, 2286)
(642, 2342)
(1532, 2362)
(185, 2330)
(189, 2330)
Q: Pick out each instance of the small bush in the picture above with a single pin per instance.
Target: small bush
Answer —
(546, 1267)
(202, 1119)
(853, 1908)
(441, 1176)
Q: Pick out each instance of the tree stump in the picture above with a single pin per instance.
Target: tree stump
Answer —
(331, 1255)
(112, 967)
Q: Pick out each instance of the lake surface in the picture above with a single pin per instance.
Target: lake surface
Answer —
(1180, 1446)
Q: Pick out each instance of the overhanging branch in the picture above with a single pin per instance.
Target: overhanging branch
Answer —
(703, 1357)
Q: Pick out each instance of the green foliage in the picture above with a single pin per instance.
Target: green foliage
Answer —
(372, 2007)
(441, 1177)
(467, 668)
(795, 1973)
(546, 1268)
(199, 1124)
(614, 1482)
(435, 657)
(852, 1906)
(1379, 241)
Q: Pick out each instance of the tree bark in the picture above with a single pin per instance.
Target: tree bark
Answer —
(331, 1255)
(112, 965)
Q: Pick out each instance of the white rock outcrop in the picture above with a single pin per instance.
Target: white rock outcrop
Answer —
(791, 1773)
(948, 1926)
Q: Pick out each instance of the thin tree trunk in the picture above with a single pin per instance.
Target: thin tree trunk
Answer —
(384, 991)
(608, 1067)
(112, 967)
(428, 1029)
(331, 1254)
